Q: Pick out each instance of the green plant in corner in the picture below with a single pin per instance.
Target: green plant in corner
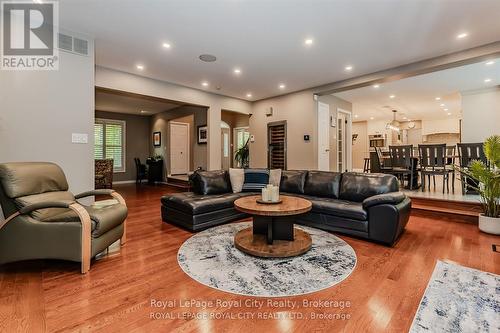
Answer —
(487, 183)
(242, 155)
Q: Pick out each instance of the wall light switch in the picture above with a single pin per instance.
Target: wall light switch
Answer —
(79, 138)
(252, 138)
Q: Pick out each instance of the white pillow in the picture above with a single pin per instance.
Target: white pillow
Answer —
(237, 177)
(275, 177)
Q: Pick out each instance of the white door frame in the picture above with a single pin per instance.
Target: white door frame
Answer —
(323, 117)
(170, 144)
(348, 133)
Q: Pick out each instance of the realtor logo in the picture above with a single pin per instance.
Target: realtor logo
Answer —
(29, 35)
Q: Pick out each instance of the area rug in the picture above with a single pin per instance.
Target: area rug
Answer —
(210, 258)
(459, 299)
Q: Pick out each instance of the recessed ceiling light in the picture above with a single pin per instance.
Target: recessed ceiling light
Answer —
(376, 86)
(371, 118)
(282, 86)
(348, 68)
(405, 118)
(487, 80)
(356, 116)
(140, 67)
(442, 105)
(166, 45)
(144, 111)
(462, 35)
(438, 98)
(309, 42)
(491, 62)
(446, 109)
(204, 83)
(237, 71)
(249, 95)
(449, 113)
(392, 96)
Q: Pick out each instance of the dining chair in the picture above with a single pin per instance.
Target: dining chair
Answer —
(377, 162)
(402, 163)
(141, 171)
(468, 152)
(433, 163)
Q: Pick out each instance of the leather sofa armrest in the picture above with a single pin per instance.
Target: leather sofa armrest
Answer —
(392, 198)
(94, 192)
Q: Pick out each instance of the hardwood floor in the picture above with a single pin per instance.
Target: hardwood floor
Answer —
(115, 296)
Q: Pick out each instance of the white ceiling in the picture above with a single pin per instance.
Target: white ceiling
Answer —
(415, 97)
(265, 39)
(110, 102)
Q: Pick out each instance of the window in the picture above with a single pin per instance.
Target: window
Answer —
(109, 142)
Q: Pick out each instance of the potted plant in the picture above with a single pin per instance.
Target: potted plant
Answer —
(487, 184)
(242, 156)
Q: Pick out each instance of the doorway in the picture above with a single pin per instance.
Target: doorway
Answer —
(323, 136)
(179, 148)
(344, 141)
(240, 139)
(225, 146)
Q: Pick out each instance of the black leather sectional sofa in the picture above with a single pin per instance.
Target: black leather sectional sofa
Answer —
(358, 204)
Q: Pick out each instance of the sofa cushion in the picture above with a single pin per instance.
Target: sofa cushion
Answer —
(211, 182)
(292, 181)
(336, 207)
(322, 184)
(255, 180)
(359, 186)
(193, 203)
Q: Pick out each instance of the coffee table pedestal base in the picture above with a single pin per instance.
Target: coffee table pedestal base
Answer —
(256, 244)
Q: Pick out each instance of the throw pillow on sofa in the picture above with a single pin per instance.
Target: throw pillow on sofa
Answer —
(255, 180)
(237, 177)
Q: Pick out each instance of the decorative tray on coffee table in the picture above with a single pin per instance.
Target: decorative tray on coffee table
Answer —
(260, 201)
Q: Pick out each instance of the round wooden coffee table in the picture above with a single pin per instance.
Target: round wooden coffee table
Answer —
(273, 234)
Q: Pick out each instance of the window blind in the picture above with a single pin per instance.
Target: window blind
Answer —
(109, 142)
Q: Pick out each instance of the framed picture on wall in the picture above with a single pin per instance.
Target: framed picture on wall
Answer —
(157, 139)
(202, 134)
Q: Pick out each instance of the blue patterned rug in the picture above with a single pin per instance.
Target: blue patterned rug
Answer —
(459, 299)
(210, 258)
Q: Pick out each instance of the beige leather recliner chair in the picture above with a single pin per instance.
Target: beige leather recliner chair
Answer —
(45, 221)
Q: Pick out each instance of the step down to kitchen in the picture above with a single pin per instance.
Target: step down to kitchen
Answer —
(180, 181)
(459, 211)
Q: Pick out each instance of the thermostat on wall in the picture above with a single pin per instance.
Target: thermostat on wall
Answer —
(306, 137)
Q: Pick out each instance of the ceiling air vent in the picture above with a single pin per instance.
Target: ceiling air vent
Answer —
(66, 42)
(73, 44)
(81, 46)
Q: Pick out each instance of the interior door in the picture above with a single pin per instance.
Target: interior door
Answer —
(179, 148)
(323, 136)
(225, 149)
(276, 150)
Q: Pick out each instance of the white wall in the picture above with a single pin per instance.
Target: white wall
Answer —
(112, 79)
(40, 109)
(481, 115)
